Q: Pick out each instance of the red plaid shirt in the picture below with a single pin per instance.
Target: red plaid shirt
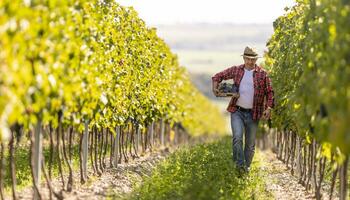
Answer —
(262, 88)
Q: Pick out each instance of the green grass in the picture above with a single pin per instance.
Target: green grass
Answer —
(205, 171)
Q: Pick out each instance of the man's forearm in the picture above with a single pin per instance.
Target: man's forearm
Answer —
(215, 86)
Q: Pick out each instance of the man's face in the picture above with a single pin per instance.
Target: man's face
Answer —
(250, 62)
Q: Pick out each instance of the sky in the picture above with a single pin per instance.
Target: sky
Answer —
(158, 12)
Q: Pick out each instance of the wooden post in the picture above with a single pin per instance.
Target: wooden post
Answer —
(137, 139)
(162, 127)
(116, 146)
(176, 130)
(37, 157)
(151, 134)
(343, 185)
(85, 148)
(167, 134)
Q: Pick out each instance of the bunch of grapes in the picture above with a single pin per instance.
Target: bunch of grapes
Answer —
(228, 88)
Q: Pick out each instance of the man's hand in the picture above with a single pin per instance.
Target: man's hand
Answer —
(217, 93)
(267, 113)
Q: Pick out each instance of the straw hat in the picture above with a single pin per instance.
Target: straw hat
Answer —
(250, 52)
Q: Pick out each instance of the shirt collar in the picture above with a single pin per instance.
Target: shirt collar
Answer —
(256, 67)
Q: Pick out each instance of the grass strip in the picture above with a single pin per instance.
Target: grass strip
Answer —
(205, 171)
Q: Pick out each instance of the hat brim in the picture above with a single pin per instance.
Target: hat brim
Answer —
(245, 56)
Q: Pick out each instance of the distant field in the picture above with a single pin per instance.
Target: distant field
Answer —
(207, 61)
(217, 37)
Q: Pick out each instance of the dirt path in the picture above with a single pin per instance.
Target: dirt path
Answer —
(279, 180)
(113, 183)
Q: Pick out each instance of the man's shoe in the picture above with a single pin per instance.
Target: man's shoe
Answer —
(247, 170)
(241, 171)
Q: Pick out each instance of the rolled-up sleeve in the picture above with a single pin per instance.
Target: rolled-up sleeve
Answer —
(224, 75)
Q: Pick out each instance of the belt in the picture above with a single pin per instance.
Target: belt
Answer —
(243, 109)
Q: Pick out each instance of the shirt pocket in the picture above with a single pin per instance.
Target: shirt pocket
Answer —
(260, 84)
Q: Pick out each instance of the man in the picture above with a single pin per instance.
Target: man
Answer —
(246, 110)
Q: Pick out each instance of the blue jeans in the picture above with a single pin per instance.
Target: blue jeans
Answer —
(243, 122)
